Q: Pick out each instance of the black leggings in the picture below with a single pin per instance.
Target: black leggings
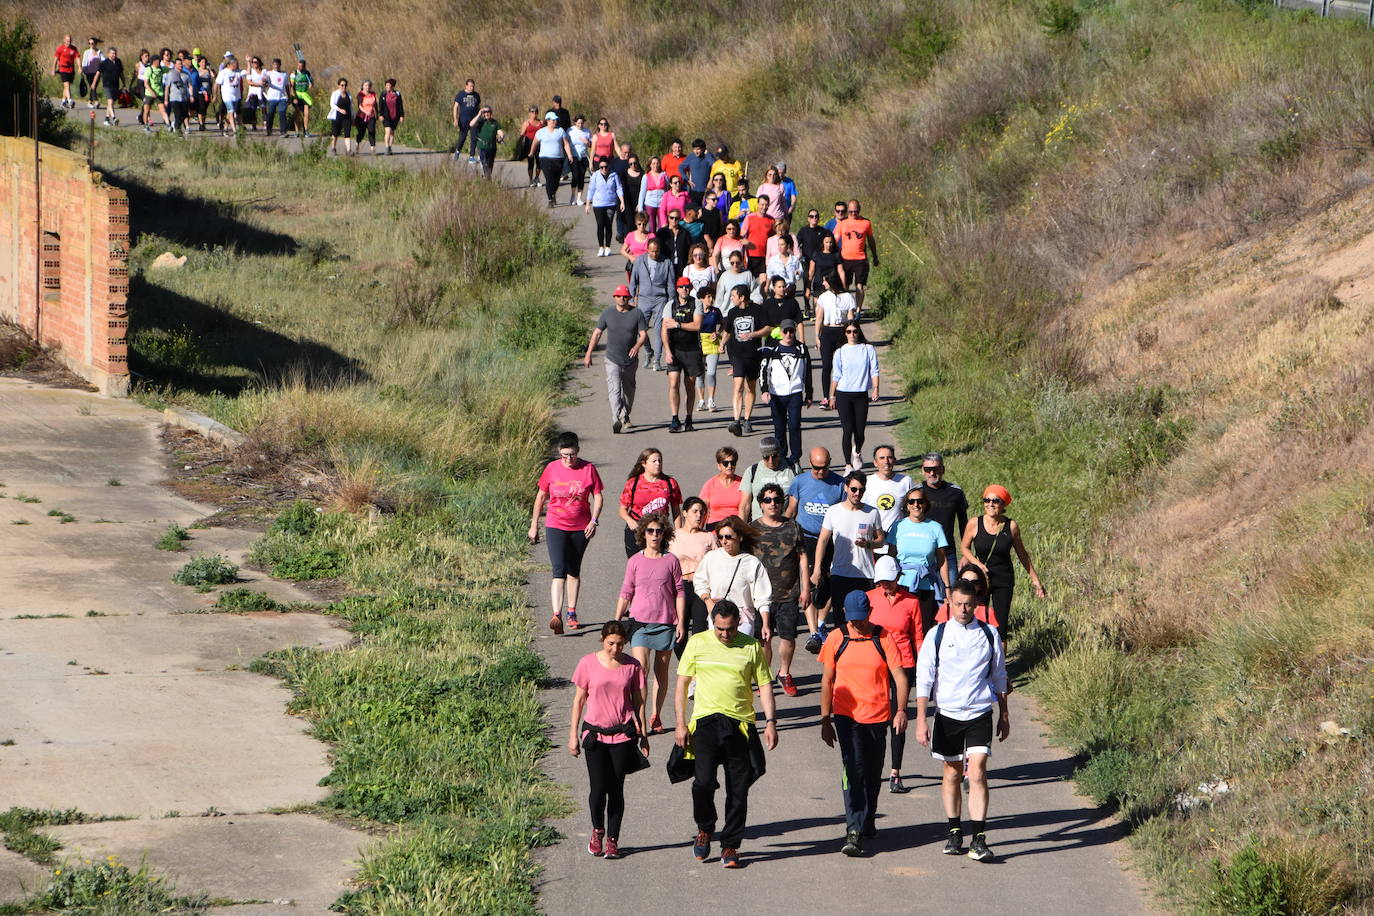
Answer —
(579, 173)
(999, 598)
(605, 225)
(852, 407)
(552, 168)
(606, 766)
(899, 738)
(368, 127)
(832, 338)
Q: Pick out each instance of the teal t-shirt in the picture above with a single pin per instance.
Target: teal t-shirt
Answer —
(916, 544)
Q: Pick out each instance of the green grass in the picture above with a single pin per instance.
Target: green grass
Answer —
(18, 827)
(203, 573)
(65, 518)
(173, 539)
(243, 600)
(110, 888)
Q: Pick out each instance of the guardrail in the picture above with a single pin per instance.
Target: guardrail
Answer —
(1333, 9)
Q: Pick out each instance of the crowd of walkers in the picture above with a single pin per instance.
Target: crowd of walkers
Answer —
(888, 581)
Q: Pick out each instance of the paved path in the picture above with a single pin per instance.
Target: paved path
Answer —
(1057, 853)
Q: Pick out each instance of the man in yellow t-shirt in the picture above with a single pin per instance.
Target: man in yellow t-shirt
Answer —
(726, 664)
(728, 166)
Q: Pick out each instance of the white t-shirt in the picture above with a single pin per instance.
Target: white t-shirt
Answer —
(276, 85)
(229, 83)
(846, 524)
(835, 307)
(887, 495)
(550, 141)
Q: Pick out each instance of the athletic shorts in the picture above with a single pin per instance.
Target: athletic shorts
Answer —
(690, 361)
(951, 739)
(109, 93)
(820, 595)
(389, 123)
(745, 363)
(230, 107)
(855, 271)
(566, 549)
(785, 616)
(66, 77)
(657, 636)
(756, 265)
(339, 127)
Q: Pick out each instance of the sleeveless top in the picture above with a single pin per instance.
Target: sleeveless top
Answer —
(995, 551)
(654, 185)
(603, 146)
(636, 246)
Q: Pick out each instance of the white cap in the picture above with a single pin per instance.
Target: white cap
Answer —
(886, 570)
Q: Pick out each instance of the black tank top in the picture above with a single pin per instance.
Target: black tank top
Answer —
(995, 551)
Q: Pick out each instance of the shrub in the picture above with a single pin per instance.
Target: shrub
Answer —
(300, 518)
(241, 600)
(111, 889)
(173, 538)
(205, 572)
(1059, 17)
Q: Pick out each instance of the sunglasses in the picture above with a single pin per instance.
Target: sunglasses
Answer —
(918, 502)
(849, 331)
(991, 501)
(813, 216)
(727, 537)
(727, 464)
(653, 530)
(855, 489)
(673, 219)
(933, 470)
(769, 500)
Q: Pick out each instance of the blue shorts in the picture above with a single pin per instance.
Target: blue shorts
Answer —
(657, 636)
(230, 107)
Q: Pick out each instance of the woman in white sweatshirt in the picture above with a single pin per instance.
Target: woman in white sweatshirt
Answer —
(732, 571)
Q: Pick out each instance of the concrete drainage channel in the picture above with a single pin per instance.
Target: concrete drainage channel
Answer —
(116, 702)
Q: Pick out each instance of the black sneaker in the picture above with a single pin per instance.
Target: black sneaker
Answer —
(813, 645)
(954, 846)
(735, 429)
(616, 427)
(748, 427)
(895, 786)
(687, 426)
(853, 844)
(978, 849)
(675, 426)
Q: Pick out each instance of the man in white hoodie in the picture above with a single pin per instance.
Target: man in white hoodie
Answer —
(786, 383)
(961, 667)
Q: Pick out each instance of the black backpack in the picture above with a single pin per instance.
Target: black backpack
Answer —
(876, 639)
(987, 631)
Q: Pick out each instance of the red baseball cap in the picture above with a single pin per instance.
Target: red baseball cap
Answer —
(683, 281)
(622, 290)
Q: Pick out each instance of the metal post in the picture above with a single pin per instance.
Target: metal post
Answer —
(1326, 6)
(1370, 20)
(37, 219)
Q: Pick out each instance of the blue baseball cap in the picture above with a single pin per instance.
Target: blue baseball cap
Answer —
(856, 606)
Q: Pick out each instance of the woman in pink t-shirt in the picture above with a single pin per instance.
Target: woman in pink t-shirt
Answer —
(721, 492)
(654, 597)
(607, 718)
(690, 544)
(647, 489)
(571, 490)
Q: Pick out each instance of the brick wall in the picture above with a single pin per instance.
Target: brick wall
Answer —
(80, 256)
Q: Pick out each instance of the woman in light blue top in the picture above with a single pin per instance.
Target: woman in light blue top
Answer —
(853, 384)
(551, 145)
(581, 140)
(604, 198)
(920, 546)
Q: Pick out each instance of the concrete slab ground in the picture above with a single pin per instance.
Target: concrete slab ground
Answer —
(291, 861)
(145, 709)
(18, 876)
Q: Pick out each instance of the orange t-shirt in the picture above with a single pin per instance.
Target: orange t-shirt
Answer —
(854, 234)
(900, 618)
(673, 165)
(722, 500)
(757, 229)
(861, 677)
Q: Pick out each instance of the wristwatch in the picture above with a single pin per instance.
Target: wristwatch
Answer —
(770, 721)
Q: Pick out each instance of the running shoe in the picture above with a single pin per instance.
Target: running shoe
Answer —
(789, 686)
(627, 425)
(594, 845)
(814, 643)
(954, 845)
(978, 849)
(556, 624)
(701, 404)
(735, 428)
(895, 786)
(675, 426)
(612, 850)
(853, 844)
(572, 619)
(472, 160)
(701, 846)
(729, 858)
(687, 426)
(711, 405)
(748, 427)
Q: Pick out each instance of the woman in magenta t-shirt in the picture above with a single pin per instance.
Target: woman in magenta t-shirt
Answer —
(607, 717)
(647, 489)
(654, 596)
(571, 490)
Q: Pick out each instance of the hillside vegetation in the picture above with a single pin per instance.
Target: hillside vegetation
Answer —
(1127, 258)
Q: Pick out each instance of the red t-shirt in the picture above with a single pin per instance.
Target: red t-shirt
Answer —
(900, 618)
(673, 165)
(722, 499)
(757, 228)
(66, 58)
(570, 494)
(642, 496)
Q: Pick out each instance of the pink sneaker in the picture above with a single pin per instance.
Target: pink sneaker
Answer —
(594, 844)
(612, 850)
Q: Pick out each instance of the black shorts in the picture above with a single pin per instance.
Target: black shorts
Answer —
(109, 93)
(339, 127)
(67, 77)
(756, 265)
(951, 739)
(855, 271)
(693, 362)
(745, 363)
(820, 595)
(389, 123)
(784, 621)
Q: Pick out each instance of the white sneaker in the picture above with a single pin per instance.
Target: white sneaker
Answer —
(701, 405)
(711, 405)
(858, 461)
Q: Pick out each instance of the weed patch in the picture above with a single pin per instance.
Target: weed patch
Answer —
(203, 573)
(173, 538)
(243, 600)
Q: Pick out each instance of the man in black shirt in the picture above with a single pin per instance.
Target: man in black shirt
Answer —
(746, 327)
(466, 105)
(564, 116)
(683, 356)
(948, 506)
(111, 76)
